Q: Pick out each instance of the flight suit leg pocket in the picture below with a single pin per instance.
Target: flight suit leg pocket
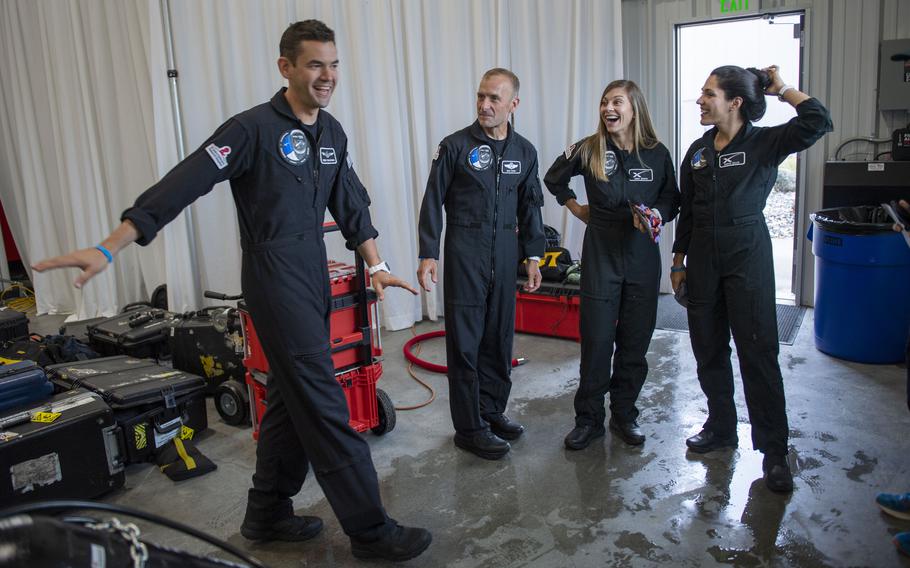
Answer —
(467, 263)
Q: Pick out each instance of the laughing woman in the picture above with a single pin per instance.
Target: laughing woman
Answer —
(622, 163)
(725, 180)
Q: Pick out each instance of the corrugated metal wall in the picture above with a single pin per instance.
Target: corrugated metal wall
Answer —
(840, 69)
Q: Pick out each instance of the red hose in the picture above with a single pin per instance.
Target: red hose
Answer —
(436, 368)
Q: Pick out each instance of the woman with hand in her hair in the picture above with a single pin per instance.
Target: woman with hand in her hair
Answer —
(725, 179)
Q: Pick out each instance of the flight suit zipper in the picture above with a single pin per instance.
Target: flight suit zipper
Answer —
(316, 161)
(715, 199)
(495, 221)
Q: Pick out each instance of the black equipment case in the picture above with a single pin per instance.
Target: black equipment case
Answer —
(79, 329)
(209, 343)
(140, 332)
(152, 404)
(23, 383)
(13, 324)
(75, 455)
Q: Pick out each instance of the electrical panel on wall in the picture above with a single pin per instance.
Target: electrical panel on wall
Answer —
(894, 75)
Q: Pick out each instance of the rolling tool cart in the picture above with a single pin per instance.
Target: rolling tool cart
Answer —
(356, 351)
(208, 343)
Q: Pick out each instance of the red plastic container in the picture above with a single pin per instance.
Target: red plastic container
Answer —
(345, 335)
(359, 385)
(552, 311)
(253, 355)
(342, 278)
(255, 383)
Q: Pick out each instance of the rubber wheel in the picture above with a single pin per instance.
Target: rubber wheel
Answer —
(158, 299)
(231, 403)
(386, 414)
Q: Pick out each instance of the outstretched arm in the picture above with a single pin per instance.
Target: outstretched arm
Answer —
(225, 154)
(92, 260)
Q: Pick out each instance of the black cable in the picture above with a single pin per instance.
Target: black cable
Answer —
(868, 139)
(63, 504)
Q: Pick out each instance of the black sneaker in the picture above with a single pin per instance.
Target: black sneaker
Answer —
(778, 477)
(395, 543)
(292, 529)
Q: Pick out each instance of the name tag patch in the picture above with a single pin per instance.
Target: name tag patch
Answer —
(511, 167)
(641, 174)
(734, 159)
(327, 156)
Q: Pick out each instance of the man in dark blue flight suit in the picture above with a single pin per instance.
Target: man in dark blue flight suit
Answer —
(287, 160)
(486, 177)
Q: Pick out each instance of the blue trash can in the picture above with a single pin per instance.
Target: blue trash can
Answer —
(862, 285)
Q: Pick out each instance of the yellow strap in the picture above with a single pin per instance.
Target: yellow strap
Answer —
(181, 451)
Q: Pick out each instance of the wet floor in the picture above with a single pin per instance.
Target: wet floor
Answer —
(608, 505)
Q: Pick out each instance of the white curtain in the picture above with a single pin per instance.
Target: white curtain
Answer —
(77, 140)
(409, 72)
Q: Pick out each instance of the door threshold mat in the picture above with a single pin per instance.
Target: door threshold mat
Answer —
(672, 317)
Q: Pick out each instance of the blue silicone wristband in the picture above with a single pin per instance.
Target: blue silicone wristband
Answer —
(677, 269)
(107, 254)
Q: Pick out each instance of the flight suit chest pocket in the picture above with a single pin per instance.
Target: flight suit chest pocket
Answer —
(703, 181)
(468, 199)
(606, 195)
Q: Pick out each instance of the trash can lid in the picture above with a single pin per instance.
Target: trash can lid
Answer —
(861, 220)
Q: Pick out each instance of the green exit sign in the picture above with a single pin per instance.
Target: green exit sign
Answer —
(733, 6)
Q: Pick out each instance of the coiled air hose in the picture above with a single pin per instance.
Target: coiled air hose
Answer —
(436, 368)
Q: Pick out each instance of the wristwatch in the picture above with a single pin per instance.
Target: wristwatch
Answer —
(782, 91)
(381, 267)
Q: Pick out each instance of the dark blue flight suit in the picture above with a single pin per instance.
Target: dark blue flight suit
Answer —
(282, 179)
(620, 277)
(730, 269)
(492, 205)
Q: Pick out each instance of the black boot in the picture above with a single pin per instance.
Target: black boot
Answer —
(393, 542)
(777, 473)
(581, 436)
(630, 432)
(504, 427)
(291, 529)
(485, 444)
(707, 441)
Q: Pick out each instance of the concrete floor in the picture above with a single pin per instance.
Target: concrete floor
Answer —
(611, 504)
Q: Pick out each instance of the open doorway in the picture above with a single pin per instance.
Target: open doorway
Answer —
(755, 41)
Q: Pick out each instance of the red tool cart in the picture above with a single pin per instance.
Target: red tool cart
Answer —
(356, 350)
